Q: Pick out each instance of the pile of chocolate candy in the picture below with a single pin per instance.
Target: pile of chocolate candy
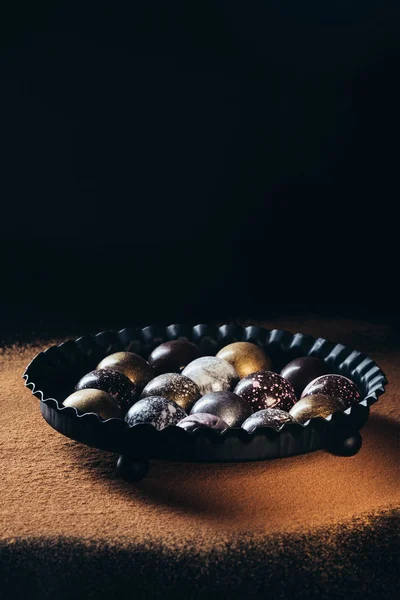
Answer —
(235, 388)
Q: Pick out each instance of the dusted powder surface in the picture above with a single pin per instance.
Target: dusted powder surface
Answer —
(315, 525)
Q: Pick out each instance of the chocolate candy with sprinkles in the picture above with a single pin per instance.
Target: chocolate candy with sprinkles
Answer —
(269, 417)
(115, 383)
(337, 386)
(266, 389)
(155, 410)
(175, 387)
(135, 367)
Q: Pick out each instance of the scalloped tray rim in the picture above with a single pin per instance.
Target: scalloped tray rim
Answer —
(267, 430)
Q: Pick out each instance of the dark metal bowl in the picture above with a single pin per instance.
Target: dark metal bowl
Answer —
(53, 374)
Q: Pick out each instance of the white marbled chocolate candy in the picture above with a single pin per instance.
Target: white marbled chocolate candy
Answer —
(211, 374)
(156, 411)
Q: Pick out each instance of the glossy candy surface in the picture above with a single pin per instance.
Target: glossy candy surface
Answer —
(136, 368)
(115, 383)
(334, 385)
(266, 389)
(316, 405)
(226, 405)
(156, 411)
(94, 401)
(246, 358)
(211, 374)
(269, 417)
(175, 387)
(201, 420)
(300, 371)
(173, 356)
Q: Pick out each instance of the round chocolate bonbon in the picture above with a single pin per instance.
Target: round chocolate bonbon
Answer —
(268, 417)
(300, 371)
(175, 387)
(246, 358)
(211, 374)
(156, 411)
(135, 367)
(316, 405)
(334, 385)
(173, 356)
(115, 383)
(266, 389)
(226, 405)
(201, 421)
(94, 401)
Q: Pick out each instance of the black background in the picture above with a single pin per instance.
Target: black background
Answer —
(168, 161)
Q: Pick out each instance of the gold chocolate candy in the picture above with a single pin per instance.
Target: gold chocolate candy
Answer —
(130, 364)
(94, 401)
(316, 405)
(178, 388)
(246, 358)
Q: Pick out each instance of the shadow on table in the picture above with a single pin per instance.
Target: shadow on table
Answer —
(196, 488)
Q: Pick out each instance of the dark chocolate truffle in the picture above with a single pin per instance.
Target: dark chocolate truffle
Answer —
(114, 383)
(155, 410)
(226, 405)
(211, 374)
(334, 385)
(268, 417)
(266, 389)
(316, 405)
(203, 420)
(246, 358)
(300, 371)
(175, 387)
(94, 401)
(130, 364)
(173, 356)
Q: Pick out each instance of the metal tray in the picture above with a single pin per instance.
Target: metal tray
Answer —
(52, 375)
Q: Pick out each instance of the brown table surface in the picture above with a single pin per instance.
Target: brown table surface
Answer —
(315, 524)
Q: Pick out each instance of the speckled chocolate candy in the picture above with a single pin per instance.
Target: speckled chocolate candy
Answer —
(266, 389)
(156, 411)
(211, 374)
(136, 368)
(173, 356)
(245, 358)
(226, 405)
(201, 421)
(114, 383)
(300, 371)
(316, 405)
(268, 417)
(175, 387)
(94, 401)
(334, 385)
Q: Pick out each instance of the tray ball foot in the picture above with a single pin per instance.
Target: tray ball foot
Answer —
(347, 444)
(132, 469)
